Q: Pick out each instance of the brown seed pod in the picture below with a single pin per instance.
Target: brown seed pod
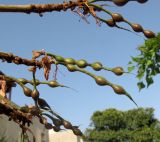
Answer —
(117, 17)
(48, 126)
(110, 22)
(69, 61)
(101, 81)
(81, 63)
(137, 27)
(149, 34)
(142, 1)
(53, 84)
(76, 131)
(27, 91)
(97, 66)
(67, 124)
(118, 89)
(71, 67)
(120, 2)
(35, 94)
(118, 70)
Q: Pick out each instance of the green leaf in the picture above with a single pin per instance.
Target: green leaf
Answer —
(130, 63)
(140, 85)
(149, 81)
(131, 68)
(149, 62)
(140, 75)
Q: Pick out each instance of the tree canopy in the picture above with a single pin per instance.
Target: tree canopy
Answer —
(147, 63)
(136, 125)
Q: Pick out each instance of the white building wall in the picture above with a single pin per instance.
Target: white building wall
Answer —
(13, 133)
(63, 136)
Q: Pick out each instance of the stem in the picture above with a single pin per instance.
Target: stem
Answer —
(101, 8)
(34, 81)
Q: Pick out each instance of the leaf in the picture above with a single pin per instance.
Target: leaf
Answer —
(140, 75)
(131, 68)
(149, 63)
(140, 85)
(46, 63)
(149, 81)
(130, 63)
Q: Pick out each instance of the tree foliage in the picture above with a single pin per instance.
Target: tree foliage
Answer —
(111, 125)
(44, 61)
(147, 63)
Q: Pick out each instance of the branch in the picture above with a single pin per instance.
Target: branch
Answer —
(39, 8)
(9, 57)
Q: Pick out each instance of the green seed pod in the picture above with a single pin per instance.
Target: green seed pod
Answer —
(67, 124)
(27, 91)
(101, 81)
(118, 89)
(118, 70)
(120, 2)
(48, 126)
(35, 94)
(53, 84)
(22, 80)
(117, 17)
(76, 131)
(137, 27)
(69, 61)
(96, 66)
(81, 63)
(149, 34)
(71, 67)
(59, 58)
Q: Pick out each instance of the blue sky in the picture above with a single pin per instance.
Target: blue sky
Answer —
(67, 35)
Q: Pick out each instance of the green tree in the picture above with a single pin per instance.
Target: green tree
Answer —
(111, 125)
